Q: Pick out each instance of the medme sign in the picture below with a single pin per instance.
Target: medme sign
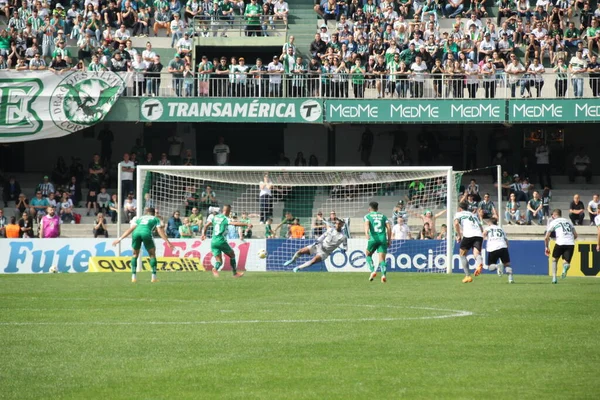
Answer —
(553, 110)
(415, 111)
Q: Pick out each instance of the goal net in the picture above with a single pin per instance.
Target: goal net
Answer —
(289, 208)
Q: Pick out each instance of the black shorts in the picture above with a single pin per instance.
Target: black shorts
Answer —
(500, 254)
(471, 243)
(564, 251)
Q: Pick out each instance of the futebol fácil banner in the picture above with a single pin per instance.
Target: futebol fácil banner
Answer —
(42, 105)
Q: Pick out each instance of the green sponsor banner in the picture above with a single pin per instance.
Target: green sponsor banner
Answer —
(41, 105)
(415, 111)
(554, 110)
(231, 110)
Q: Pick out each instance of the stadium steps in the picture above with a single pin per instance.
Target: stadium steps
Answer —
(299, 202)
(302, 24)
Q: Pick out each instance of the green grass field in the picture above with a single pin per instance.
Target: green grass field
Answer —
(298, 336)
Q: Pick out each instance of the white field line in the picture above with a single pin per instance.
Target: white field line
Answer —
(447, 313)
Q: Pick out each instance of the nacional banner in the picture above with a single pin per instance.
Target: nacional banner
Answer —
(585, 261)
(553, 110)
(527, 256)
(239, 110)
(415, 111)
(42, 105)
(76, 255)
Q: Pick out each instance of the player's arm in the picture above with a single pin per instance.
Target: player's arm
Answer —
(388, 228)
(125, 234)
(163, 236)
(208, 223)
(344, 245)
(598, 244)
(575, 235)
(485, 232)
(547, 242)
(367, 226)
(457, 230)
(238, 223)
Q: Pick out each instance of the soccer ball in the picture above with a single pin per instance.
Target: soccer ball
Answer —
(53, 269)
(262, 253)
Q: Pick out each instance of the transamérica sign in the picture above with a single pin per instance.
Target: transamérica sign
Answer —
(45, 105)
(231, 110)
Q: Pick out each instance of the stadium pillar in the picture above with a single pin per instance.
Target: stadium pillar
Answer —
(331, 145)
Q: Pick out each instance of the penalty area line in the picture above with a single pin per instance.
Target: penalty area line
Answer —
(454, 314)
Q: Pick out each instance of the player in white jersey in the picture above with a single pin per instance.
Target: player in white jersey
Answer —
(497, 249)
(597, 223)
(470, 236)
(323, 247)
(565, 242)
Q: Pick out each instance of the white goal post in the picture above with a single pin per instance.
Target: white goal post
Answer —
(306, 191)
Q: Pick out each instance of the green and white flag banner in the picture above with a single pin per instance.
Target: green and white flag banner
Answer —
(42, 105)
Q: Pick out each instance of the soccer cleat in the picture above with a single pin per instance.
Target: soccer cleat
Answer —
(500, 270)
(238, 274)
(511, 281)
(554, 281)
(468, 279)
(215, 272)
(133, 279)
(287, 263)
(478, 269)
(383, 280)
(372, 276)
(565, 269)
(295, 269)
(154, 280)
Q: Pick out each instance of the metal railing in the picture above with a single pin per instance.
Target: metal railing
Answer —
(348, 86)
(207, 26)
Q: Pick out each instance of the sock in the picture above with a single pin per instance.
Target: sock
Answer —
(554, 267)
(217, 266)
(383, 266)
(233, 265)
(306, 264)
(479, 260)
(492, 267)
(370, 263)
(153, 264)
(464, 264)
(133, 265)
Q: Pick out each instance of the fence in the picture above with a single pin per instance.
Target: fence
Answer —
(207, 26)
(344, 86)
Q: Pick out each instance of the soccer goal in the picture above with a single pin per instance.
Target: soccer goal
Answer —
(296, 204)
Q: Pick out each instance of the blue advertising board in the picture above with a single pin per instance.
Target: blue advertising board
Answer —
(527, 256)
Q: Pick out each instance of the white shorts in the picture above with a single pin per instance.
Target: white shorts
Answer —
(317, 250)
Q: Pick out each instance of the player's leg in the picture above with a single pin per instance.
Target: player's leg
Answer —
(304, 250)
(136, 245)
(492, 260)
(151, 248)
(477, 254)
(153, 263)
(216, 251)
(228, 251)
(567, 256)
(317, 258)
(465, 246)
(505, 258)
(556, 254)
(371, 246)
(382, 251)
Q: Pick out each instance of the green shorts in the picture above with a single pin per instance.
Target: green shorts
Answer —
(377, 245)
(220, 246)
(138, 238)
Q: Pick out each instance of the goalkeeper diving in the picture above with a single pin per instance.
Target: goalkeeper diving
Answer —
(323, 247)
